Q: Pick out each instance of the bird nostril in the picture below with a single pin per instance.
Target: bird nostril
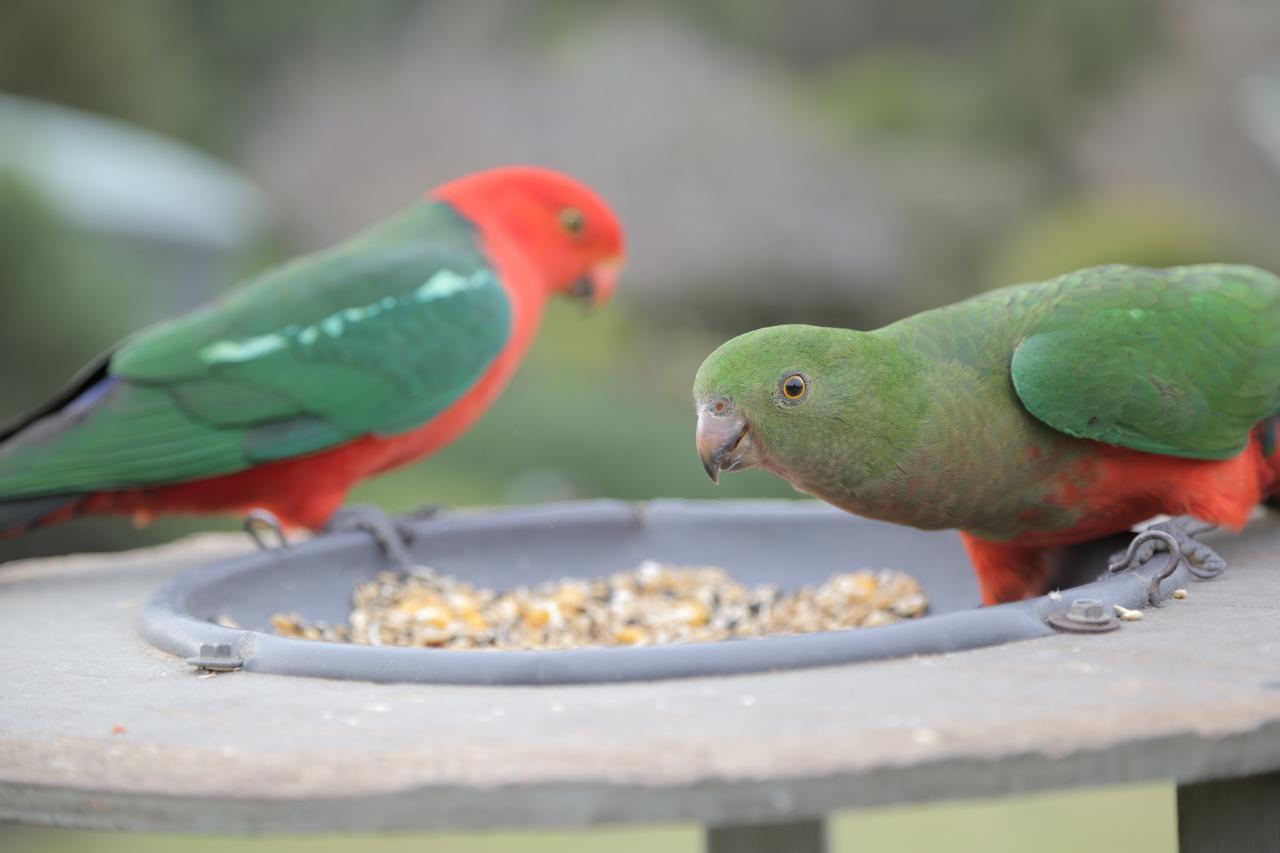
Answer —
(718, 408)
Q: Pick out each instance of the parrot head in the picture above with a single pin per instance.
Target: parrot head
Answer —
(826, 409)
(560, 226)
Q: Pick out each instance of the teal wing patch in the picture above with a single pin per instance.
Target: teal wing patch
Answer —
(381, 367)
(375, 337)
(1182, 362)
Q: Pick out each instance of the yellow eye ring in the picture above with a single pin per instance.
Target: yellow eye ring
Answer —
(794, 387)
(572, 221)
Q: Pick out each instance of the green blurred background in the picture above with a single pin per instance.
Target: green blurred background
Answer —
(835, 161)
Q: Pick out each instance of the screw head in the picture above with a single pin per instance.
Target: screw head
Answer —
(216, 658)
(1088, 611)
(1084, 616)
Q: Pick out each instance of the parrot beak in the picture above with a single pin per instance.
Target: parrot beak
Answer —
(724, 441)
(597, 285)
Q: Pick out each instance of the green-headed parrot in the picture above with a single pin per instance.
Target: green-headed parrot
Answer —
(1029, 417)
(329, 369)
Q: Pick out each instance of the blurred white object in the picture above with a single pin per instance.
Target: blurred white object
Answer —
(108, 177)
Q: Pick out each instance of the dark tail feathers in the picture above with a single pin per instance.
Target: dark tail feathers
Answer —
(24, 514)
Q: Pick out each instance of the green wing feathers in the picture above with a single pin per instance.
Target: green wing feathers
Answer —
(132, 436)
(1182, 362)
(376, 336)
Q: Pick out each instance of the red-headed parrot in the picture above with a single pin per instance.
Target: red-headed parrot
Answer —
(1029, 417)
(329, 369)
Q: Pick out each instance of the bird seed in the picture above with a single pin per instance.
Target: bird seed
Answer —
(651, 604)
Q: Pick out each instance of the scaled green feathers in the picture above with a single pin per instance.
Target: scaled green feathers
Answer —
(1182, 362)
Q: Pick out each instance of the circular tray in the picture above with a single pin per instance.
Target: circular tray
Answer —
(789, 543)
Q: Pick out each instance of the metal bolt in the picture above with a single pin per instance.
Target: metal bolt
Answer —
(1085, 616)
(1088, 611)
(216, 658)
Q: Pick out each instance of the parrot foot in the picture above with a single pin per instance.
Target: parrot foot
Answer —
(422, 513)
(1177, 536)
(392, 535)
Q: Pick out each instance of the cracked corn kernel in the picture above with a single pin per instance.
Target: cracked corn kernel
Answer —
(570, 598)
(692, 612)
(630, 635)
(537, 616)
(435, 615)
(287, 626)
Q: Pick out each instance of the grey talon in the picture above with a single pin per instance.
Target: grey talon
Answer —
(391, 535)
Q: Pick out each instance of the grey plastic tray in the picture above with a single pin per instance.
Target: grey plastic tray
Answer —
(785, 542)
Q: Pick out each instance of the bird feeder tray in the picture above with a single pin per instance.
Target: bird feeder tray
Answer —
(786, 543)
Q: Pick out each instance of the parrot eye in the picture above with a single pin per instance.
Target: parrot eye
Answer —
(572, 221)
(794, 387)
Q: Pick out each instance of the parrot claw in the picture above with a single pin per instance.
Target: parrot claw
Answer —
(422, 513)
(391, 535)
(1178, 537)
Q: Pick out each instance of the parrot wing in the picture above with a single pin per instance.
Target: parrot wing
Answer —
(375, 337)
(1182, 362)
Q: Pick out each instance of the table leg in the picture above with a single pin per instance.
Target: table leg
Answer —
(801, 836)
(1230, 815)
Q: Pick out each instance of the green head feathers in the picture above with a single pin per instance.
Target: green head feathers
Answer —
(825, 408)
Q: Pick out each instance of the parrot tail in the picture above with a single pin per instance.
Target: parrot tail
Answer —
(21, 514)
(26, 514)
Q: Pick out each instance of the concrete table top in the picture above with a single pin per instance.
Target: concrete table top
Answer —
(98, 729)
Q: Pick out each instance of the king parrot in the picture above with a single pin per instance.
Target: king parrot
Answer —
(329, 369)
(1029, 417)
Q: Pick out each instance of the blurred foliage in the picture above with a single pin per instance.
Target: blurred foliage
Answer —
(1047, 56)
(56, 282)
(105, 57)
(900, 91)
(967, 112)
(1145, 229)
(1005, 72)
